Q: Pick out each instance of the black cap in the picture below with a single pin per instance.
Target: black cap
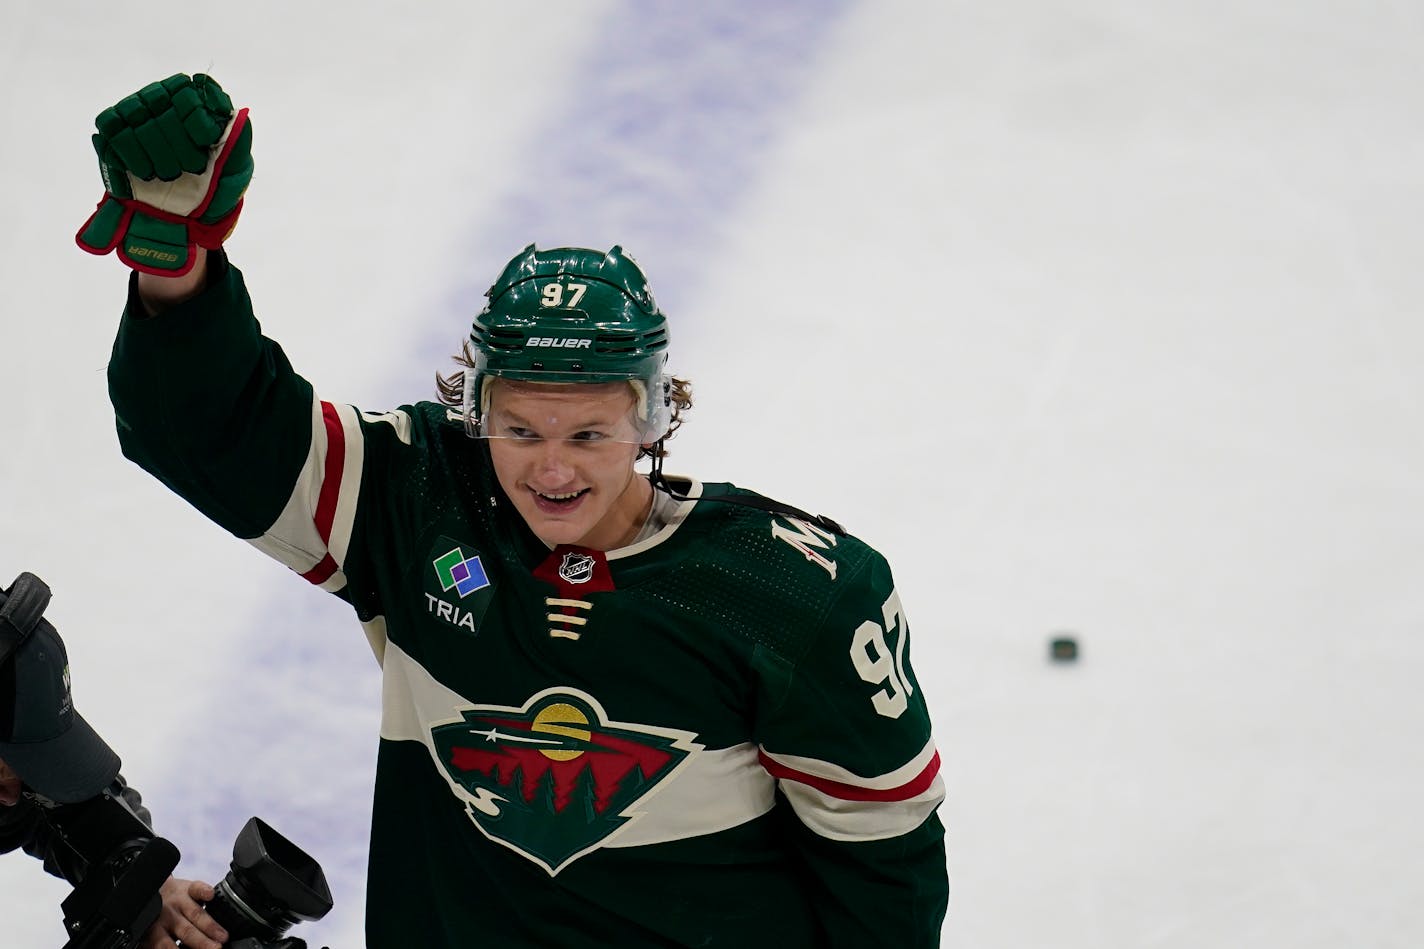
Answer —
(42, 737)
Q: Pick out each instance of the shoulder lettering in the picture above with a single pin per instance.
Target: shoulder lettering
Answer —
(809, 539)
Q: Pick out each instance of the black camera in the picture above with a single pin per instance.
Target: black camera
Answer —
(270, 886)
(120, 863)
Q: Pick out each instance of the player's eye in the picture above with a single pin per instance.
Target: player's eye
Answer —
(588, 435)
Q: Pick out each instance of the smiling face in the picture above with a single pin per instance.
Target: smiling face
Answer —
(564, 454)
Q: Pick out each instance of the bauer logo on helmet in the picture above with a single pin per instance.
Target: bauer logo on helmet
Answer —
(554, 342)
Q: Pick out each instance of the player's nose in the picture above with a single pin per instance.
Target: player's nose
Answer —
(554, 466)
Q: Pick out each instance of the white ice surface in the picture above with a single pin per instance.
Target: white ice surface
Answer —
(1099, 317)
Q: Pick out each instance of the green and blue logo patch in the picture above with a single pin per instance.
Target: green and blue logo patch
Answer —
(462, 574)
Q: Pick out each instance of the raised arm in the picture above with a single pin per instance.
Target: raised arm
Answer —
(161, 293)
(203, 400)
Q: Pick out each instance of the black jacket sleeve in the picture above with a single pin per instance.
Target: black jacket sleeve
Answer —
(24, 827)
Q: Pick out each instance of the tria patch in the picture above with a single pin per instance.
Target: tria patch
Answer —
(556, 779)
(459, 573)
(458, 588)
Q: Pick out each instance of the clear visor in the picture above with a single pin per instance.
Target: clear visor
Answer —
(590, 416)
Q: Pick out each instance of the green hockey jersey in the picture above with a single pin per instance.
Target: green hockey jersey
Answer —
(713, 737)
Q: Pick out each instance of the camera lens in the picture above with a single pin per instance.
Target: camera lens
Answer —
(271, 885)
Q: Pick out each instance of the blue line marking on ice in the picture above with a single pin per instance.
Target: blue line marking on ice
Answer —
(659, 139)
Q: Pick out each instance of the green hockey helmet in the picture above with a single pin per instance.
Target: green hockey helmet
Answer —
(572, 315)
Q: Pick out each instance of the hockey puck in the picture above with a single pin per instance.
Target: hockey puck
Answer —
(1063, 649)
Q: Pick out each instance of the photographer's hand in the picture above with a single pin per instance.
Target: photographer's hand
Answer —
(183, 918)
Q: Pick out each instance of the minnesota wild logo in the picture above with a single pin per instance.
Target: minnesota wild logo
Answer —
(556, 779)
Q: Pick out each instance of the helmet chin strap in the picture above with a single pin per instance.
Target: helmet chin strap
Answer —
(656, 477)
(661, 483)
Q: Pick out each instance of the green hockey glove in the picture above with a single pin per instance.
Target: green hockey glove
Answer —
(176, 159)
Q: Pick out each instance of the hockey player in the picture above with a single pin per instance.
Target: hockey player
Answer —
(618, 710)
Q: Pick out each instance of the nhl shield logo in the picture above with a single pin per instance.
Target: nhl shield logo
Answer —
(556, 779)
(576, 567)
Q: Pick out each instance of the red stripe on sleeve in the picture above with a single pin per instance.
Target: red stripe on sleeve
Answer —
(331, 476)
(321, 572)
(854, 792)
